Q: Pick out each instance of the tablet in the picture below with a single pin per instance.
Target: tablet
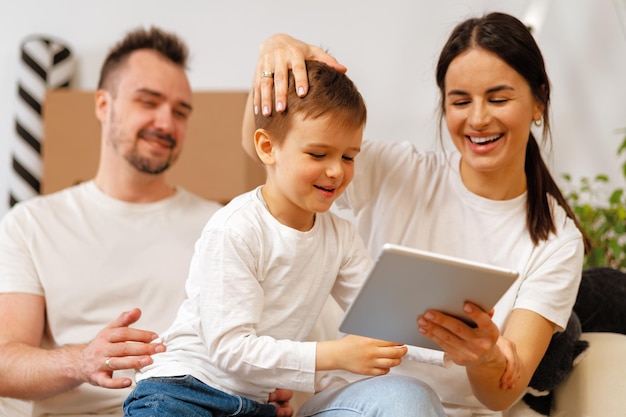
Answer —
(405, 282)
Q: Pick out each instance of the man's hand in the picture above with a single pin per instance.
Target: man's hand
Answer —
(118, 347)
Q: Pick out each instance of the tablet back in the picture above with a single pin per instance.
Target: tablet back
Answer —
(405, 282)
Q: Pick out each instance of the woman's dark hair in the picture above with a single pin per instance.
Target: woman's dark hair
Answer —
(508, 38)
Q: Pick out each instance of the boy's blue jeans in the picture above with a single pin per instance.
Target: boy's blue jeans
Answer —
(185, 396)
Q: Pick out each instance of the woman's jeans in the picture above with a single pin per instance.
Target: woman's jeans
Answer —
(185, 396)
(389, 396)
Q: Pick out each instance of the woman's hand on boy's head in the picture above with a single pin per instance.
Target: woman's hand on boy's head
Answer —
(278, 54)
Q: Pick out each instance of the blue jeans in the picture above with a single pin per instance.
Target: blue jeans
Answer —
(185, 396)
(389, 396)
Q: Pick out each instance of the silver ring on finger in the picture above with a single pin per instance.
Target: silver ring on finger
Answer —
(267, 74)
(107, 364)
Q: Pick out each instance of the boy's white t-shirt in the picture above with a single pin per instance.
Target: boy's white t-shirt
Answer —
(93, 257)
(403, 196)
(255, 290)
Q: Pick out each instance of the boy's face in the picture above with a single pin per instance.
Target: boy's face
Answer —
(312, 167)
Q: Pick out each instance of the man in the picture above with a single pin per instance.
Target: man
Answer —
(121, 243)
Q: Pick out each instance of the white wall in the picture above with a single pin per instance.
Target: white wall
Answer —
(389, 47)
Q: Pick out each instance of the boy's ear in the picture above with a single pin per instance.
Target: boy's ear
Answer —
(264, 146)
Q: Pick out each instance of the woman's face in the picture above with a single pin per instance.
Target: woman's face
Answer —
(489, 108)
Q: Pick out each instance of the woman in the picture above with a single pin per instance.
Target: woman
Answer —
(493, 200)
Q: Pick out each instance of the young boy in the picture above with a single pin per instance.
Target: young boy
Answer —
(264, 267)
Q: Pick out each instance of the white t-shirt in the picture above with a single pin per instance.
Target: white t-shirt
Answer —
(93, 257)
(255, 290)
(403, 196)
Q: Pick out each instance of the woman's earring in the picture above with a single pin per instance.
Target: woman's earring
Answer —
(538, 122)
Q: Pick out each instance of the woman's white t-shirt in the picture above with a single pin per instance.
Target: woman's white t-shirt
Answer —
(403, 196)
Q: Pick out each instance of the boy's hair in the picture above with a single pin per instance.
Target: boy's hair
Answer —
(167, 44)
(331, 94)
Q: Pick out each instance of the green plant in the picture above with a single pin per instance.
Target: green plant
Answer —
(604, 222)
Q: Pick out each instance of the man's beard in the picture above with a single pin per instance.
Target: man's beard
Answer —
(147, 166)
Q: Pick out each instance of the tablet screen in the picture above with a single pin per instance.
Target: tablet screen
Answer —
(405, 282)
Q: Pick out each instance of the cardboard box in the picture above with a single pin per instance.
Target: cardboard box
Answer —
(212, 163)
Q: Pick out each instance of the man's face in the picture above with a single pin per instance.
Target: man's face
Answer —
(145, 111)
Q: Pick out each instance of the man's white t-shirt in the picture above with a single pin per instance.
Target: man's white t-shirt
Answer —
(93, 257)
(403, 196)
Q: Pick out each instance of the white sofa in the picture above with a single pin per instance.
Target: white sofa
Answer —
(14, 408)
(597, 385)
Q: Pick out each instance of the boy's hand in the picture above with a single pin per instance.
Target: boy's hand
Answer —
(360, 355)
